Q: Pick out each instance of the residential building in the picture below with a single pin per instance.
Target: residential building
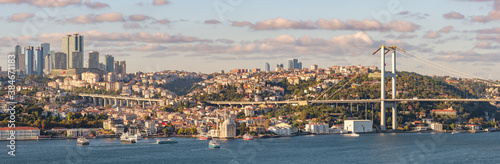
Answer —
(437, 126)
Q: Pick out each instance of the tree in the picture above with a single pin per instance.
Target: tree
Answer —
(146, 118)
(180, 131)
(241, 115)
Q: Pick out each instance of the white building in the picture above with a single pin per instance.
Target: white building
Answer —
(21, 133)
(78, 132)
(437, 126)
(358, 126)
(318, 128)
(337, 129)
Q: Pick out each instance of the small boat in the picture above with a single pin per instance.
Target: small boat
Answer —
(82, 141)
(205, 137)
(455, 132)
(126, 138)
(353, 134)
(213, 144)
(167, 141)
(247, 136)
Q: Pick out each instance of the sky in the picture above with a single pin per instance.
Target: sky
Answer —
(458, 38)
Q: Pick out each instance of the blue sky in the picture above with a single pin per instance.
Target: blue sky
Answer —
(214, 35)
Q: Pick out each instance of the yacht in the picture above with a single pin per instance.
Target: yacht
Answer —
(82, 141)
(213, 144)
(167, 141)
(126, 138)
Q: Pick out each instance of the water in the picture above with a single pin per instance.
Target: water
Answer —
(367, 148)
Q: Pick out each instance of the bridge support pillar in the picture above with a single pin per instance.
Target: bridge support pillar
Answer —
(382, 88)
(394, 117)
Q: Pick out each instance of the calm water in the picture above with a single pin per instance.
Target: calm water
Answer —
(368, 148)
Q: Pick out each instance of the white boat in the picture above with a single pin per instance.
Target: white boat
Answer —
(82, 141)
(213, 144)
(455, 132)
(128, 138)
(354, 134)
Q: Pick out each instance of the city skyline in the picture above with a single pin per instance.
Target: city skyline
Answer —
(170, 37)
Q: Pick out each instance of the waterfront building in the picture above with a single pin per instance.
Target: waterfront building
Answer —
(70, 44)
(227, 128)
(21, 133)
(93, 61)
(436, 126)
(318, 128)
(78, 133)
(358, 126)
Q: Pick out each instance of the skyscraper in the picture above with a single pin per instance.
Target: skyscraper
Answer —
(70, 44)
(60, 60)
(294, 64)
(38, 61)
(117, 67)
(267, 67)
(45, 52)
(21, 59)
(93, 61)
(123, 66)
(76, 60)
(314, 67)
(109, 61)
(279, 67)
(28, 65)
(48, 64)
(17, 51)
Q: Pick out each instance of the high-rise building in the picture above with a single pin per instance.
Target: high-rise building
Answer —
(117, 67)
(48, 64)
(51, 53)
(21, 63)
(123, 66)
(28, 65)
(93, 61)
(76, 60)
(279, 67)
(102, 66)
(60, 60)
(109, 61)
(294, 64)
(45, 52)
(17, 51)
(38, 61)
(70, 44)
(267, 67)
(314, 67)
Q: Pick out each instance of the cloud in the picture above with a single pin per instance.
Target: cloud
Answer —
(495, 38)
(161, 21)
(160, 55)
(91, 18)
(149, 47)
(227, 41)
(453, 15)
(334, 24)
(95, 5)
(138, 17)
(417, 15)
(468, 56)
(20, 17)
(132, 26)
(406, 36)
(485, 45)
(492, 15)
(43, 3)
(160, 2)
(496, 5)
(489, 30)
(431, 35)
(212, 21)
(446, 29)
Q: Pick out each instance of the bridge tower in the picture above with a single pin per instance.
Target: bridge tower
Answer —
(383, 103)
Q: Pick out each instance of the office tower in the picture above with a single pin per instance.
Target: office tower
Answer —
(17, 51)
(294, 64)
(109, 61)
(48, 64)
(45, 52)
(93, 61)
(21, 59)
(102, 66)
(123, 66)
(76, 60)
(51, 53)
(38, 61)
(314, 67)
(117, 67)
(60, 60)
(267, 67)
(70, 44)
(28, 65)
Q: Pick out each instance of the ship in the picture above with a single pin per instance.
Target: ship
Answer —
(247, 136)
(213, 144)
(167, 141)
(205, 137)
(126, 138)
(82, 141)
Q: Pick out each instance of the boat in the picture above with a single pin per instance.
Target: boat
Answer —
(455, 132)
(247, 136)
(82, 141)
(167, 141)
(213, 144)
(126, 138)
(354, 134)
(205, 137)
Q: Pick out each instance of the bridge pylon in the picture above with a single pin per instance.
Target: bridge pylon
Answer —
(383, 103)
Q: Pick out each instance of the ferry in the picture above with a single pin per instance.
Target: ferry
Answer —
(126, 138)
(213, 144)
(167, 141)
(247, 136)
(82, 141)
(205, 137)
